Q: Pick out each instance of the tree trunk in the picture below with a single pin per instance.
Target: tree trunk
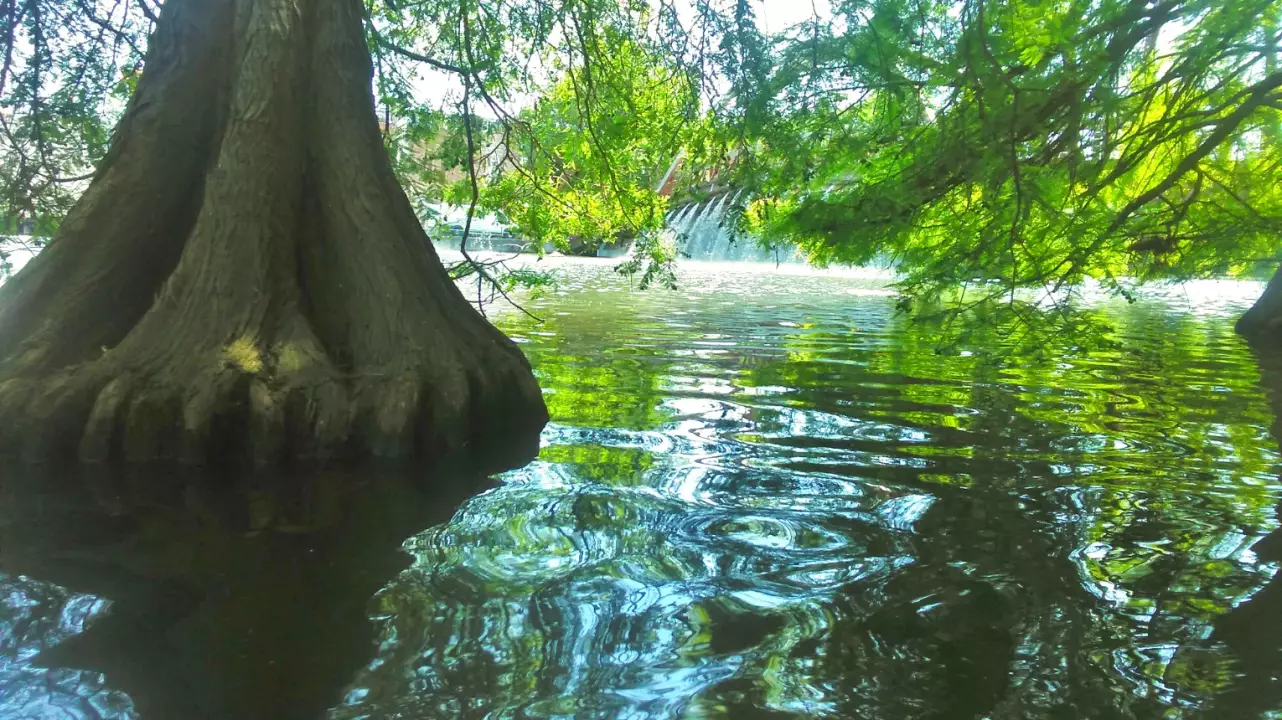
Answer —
(244, 277)
(1262, 324)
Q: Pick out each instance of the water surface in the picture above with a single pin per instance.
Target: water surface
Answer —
(766, 494)
(771, 496)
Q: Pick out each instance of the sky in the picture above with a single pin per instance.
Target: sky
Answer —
(772, 16)
(776, 15)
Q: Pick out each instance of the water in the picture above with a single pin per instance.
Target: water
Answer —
(704, 232)
(768, 495)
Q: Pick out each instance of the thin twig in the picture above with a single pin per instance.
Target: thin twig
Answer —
(481, 273)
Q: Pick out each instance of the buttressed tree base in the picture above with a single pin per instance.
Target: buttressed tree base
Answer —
(244, 278)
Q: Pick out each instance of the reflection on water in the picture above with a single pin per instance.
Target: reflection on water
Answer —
(35, 616)
(769, 494)
(166, 596)
(763, 495)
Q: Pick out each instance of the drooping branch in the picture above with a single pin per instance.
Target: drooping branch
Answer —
(1260, 94)
(417, 57)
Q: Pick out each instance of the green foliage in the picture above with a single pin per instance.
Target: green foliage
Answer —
(1016, 144)
(621, 88)
(495, 279)
(987, 145)
(654, 259)
(66, 68)
(594, 149)
(995, 145)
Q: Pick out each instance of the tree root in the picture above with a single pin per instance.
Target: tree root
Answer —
(285, 305)
(264, 408)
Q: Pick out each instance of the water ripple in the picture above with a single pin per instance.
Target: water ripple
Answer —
(766, 495)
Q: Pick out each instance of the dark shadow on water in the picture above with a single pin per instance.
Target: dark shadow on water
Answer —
(193, 600)
(1252, 631)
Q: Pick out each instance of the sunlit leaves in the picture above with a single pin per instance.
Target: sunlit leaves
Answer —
(595, 146)
(1017, 143)
(1027, 144)
(66, 69)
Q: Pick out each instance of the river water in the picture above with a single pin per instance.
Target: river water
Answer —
(766, 494)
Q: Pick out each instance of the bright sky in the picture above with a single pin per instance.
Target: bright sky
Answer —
(776, 15)
(772, 16)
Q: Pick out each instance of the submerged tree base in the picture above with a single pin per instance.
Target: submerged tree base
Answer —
(244, 604)
(244, 278)
(1263, 322)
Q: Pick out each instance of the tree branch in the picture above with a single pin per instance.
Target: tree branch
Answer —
(407, 53)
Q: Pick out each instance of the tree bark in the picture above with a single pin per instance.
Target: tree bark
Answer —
(1262, 324)
(244, 277)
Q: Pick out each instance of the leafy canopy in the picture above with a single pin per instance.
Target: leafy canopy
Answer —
(66, 68)
(991, 144)
(1022, 144)
(599, 143)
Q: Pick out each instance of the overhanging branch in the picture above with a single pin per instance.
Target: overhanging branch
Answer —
(417, 57)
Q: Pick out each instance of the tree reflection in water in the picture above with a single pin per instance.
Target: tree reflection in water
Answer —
(36, 616)
(760, 496)
(776, 496)
(167, 596)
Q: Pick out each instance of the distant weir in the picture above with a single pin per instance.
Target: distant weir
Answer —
(705, 231)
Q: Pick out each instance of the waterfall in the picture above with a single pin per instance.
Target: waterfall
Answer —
(705, 231)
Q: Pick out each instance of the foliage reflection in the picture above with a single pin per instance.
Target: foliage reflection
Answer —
(774, 494)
